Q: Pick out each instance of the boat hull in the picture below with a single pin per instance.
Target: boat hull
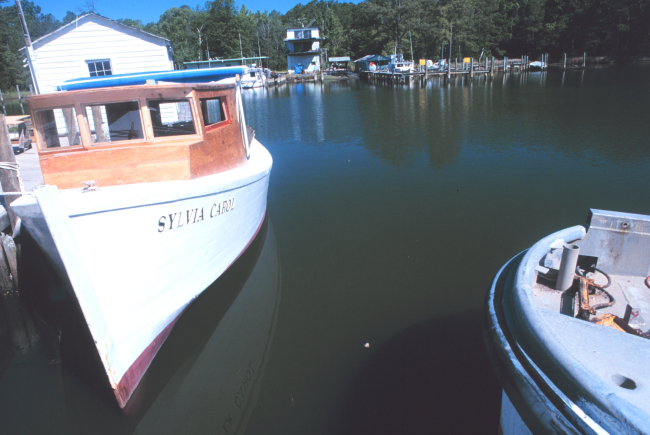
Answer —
(135, 256)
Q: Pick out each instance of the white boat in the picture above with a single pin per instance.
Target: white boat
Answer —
(537, 65)
(565, 330)
(178, 191)
(251, 78)
(401, 67)
(207, 377)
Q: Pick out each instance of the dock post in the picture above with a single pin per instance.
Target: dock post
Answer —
(564, 62)
(492, 67)
(584, 59)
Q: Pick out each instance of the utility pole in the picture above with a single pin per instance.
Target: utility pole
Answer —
(259, 49)
(398, 37)
(240, 49)
(451, 35)
(411, 40)
(28, 45)
(200, 41)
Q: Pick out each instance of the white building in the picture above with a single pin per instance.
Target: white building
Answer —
(303, 44)
(94, 45)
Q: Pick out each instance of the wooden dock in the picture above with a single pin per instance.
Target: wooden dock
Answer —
(471, 68)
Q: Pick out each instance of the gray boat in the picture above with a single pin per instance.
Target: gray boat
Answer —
(565, 331)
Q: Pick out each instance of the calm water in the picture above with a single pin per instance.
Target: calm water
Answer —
(392, 208)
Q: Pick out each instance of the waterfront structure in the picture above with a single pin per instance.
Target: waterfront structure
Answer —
(303, 49)
(93, 45)
(377, 60)
(566, 331)
(176, 162)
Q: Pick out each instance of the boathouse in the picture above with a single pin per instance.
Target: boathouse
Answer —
(303, 49)
(93, 45)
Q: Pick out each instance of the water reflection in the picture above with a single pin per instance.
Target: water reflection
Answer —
(205, 378)
(576, 113)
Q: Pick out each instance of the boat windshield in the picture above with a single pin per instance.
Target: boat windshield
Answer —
(213, 111)
(171, 117)
(58, 127)
(111, 122)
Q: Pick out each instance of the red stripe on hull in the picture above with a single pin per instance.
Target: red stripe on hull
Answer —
(134, 374)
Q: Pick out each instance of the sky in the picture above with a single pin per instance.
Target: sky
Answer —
(148, 11)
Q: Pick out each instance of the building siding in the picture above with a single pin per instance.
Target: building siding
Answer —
(62, 55)
(310, 61)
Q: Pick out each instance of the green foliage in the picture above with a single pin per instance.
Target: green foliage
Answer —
(12, 72)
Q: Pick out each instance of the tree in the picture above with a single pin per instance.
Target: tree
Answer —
(12, 72)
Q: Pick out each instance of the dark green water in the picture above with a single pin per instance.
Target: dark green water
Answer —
(393, 208)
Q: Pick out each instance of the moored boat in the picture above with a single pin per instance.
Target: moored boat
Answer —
(565, 331)
(152, 192)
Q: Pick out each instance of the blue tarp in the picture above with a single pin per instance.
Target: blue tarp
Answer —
(180, 76)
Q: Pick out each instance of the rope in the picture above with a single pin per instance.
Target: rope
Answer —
(14, 166)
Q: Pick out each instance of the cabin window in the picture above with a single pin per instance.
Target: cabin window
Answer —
(213, 110)
(58, 127)
(111, 122)
(298, 34)
(306, 34)
(171, 118)
(99, 67)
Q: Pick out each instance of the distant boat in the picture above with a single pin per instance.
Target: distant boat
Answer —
(566, 330)
(401, 67)
(537, 65)
(251, 78)
(175, 190)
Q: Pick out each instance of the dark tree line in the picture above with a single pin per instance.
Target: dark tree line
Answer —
(616, 29)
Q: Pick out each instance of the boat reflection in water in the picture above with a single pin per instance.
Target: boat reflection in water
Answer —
(206, 377)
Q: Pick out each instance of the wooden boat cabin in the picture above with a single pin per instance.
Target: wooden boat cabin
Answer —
(137, 134)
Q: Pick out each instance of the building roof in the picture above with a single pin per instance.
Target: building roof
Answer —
(314, 38)
(93, 15)
(372, 58)
(301, 28)
(340, 59)
(228, 60)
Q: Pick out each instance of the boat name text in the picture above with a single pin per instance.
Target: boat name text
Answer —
(194, 215)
